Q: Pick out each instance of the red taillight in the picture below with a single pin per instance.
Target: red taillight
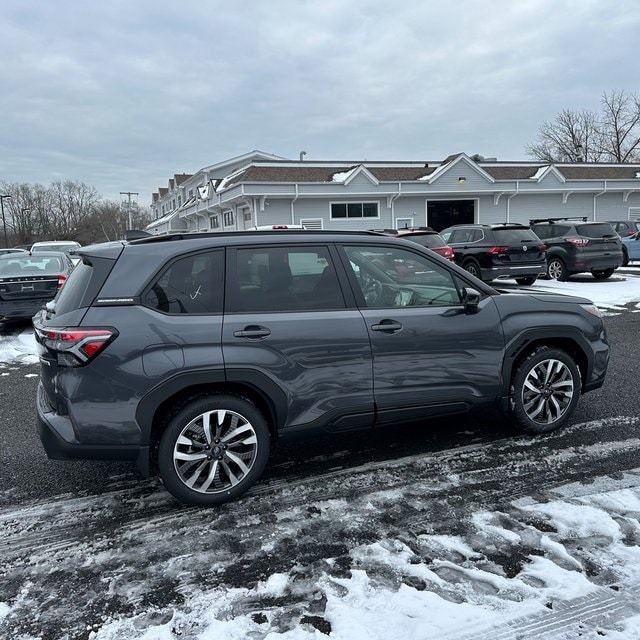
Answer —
(577, 242)
(61, 280)
(542, 247)
(446, 252)
(494, 251)
(83, 344)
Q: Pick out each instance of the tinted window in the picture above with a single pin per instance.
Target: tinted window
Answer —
(596, 230)
(396, 277)
(543, 231)
(272, 279)
(514, 235)
(193, 284)
(83, 284)
(430, 240)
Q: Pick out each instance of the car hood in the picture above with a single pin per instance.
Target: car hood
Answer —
(549, 297)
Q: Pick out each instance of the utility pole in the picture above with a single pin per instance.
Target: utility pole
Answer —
(129, 194)
(4, 223)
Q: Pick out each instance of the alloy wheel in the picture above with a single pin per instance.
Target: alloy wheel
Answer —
(547, 391)
(215, 451)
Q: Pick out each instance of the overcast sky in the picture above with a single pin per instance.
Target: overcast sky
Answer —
(123, 94)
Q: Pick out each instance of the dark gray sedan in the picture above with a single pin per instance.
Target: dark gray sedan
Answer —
(29, 281)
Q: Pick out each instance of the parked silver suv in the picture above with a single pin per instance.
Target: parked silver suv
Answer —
(193, 354)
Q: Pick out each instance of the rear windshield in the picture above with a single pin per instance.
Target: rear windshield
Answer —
(596, 230)
(32, 266)
(515, 235)
(429, 240)
(83, 284)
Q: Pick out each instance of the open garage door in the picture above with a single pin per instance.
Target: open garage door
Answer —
(444, 213)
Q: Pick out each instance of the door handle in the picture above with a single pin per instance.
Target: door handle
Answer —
(252, 331)
(387, 326)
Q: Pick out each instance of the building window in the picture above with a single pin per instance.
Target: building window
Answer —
(179, 200)
(173, 203)
(341, 210)
(190, 193)
(214, 222)
(228, 219)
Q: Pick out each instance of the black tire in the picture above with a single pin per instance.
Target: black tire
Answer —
(625, 257)
(473, 268)
(526, 281)
(545, 388)
(556, 269)
(602, 274)
(222, 467)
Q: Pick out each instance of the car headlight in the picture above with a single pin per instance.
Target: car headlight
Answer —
(592, 309)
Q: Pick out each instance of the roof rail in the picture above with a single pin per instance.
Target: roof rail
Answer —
(536, 220)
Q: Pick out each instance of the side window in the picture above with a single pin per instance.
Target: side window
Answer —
(543, 231)
(395, 277)
(272, 279)
(476, 235)
(193, 284)
(560, 230)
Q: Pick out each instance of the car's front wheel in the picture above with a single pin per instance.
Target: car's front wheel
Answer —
(602, 274)
(544, 390)
(213, 450)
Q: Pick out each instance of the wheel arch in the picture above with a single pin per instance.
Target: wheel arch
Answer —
(157, 408)
(525, 344)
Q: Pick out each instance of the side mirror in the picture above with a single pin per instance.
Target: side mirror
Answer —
(470, 299)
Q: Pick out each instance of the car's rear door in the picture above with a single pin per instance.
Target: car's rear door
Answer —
(518, 247)
(292, 330)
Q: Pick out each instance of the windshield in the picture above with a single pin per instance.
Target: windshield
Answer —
(596, 230)
(515, 235)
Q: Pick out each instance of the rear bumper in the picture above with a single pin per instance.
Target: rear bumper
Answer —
(21, 309)
(59, 441)
(515, 271)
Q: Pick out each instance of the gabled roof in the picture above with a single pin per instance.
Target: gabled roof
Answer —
(453, 161)
(345, 177)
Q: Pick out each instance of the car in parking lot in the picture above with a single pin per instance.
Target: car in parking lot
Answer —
(29, 281)
(575, 245)
(425, 237)
(194, 354)
(498, 251)
(631, 248)
(66, 246)
(625, 227)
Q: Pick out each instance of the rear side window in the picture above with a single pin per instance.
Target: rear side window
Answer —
(515, 235)
(544, 231)
(597, 230)
(190, 285)
(273, 279)
(83, 284)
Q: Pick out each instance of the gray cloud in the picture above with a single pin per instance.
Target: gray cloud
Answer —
(121, 95)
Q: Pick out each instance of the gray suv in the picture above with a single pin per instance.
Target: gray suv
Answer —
(194, 354)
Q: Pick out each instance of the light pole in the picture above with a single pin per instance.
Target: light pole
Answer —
(4, 223)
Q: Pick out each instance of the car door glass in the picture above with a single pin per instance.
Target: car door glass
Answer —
(193, 284)
(391, 277)
(272, 279)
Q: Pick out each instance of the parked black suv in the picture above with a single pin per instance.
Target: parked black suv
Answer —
(575, 245)
(194, 354)
(497, 251)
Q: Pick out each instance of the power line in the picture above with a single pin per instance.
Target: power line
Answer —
(129, 194)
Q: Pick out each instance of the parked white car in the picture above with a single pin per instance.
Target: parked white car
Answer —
(65, 246)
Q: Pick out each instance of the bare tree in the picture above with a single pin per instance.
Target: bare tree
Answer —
(620, 127)
(585, 136)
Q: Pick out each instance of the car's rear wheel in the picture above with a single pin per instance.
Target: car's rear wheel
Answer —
(602, 274)
(213, 450)
(526, 281)
(544, 390)
(556, 269)
(473, 268)
(625, 257)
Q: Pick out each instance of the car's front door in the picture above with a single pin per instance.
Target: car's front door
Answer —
(290, 331)
(430, 356)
